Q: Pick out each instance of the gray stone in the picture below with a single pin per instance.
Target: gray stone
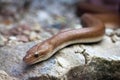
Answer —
(5, 76)
(2, 40)
(80, 61)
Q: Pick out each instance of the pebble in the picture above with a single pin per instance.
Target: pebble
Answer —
(45, 35)
(22, 38)
(78, 26)
(117, 32)
(13, 38)
(18, 30)
(109, 32)
(61, 19)
(26, 32)
(33, 36)
(2, 40)
(7, 22)
(5, 76)
(115, 38)
(57, 25)
(44, 17)
(12, 43)
(36, 27)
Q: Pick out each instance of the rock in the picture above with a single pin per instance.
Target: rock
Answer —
(44, 17)
(26, 32)
(22, 38)
(4, 29)
(109, 32)
(19, 29)
(109, 70)
(36, 27)
(33, 36)
(13, 42)
(74, 62)
(117, 32)
(8, 21)
(45, 35)
(12, 38)
(2, 40)
(77, 26)
(5, 76)
(115, 38)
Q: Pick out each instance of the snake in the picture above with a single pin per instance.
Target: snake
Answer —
(93, 22)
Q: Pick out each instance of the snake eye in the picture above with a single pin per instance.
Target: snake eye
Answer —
(36, 55)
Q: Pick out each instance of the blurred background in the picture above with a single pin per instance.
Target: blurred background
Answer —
(29, 20)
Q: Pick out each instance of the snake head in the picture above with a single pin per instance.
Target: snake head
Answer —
(37, 53)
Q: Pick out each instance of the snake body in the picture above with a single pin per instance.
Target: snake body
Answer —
(93, 31)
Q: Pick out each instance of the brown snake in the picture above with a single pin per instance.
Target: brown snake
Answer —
(93, 31)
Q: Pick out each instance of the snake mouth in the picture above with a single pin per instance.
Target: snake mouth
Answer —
(30, 61)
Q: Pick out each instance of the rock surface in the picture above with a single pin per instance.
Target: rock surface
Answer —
(5, 76)
(80, 61)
